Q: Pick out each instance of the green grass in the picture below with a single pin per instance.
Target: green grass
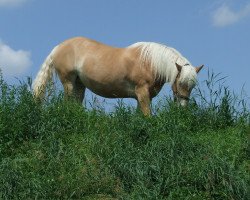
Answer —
(59, 150)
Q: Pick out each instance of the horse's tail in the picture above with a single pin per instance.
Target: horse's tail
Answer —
(44, 75)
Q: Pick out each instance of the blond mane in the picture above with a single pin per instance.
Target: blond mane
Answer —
(162, 60)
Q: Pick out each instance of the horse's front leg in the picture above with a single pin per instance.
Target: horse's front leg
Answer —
(143, 99)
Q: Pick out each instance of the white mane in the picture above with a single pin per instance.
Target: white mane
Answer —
(162, 60)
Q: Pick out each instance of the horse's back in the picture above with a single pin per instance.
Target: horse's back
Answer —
(79, 44)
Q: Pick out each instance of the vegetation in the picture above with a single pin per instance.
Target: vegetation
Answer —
(60, 150)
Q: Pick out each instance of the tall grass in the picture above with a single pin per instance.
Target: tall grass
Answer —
(60, 150)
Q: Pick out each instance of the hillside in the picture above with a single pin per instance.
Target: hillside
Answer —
(59, 150)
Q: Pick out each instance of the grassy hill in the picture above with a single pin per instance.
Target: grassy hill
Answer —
(59, 150)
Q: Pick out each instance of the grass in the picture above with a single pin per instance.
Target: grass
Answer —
(59, 150)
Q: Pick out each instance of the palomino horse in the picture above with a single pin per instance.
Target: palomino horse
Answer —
(138, 71)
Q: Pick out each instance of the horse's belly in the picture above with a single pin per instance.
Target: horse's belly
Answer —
(110, 89)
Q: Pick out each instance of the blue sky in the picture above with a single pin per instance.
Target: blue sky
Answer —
(215, 33)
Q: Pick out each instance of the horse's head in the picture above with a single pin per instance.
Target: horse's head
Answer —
(184, 82)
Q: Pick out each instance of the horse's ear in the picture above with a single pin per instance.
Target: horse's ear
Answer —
(199, 68)
(179, 67)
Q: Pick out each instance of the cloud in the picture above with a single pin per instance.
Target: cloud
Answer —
(225, 16)
(14, 62)
(12, 3)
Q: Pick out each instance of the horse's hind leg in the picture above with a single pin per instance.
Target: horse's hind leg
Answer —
(73, 88)
(79, 90)
(68, 87)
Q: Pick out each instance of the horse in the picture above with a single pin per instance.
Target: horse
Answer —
(138, 71)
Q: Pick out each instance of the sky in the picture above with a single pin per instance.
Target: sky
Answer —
(215, 33)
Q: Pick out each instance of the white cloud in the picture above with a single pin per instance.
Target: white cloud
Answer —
(14, 62)
(11, 3)
(224, 15)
